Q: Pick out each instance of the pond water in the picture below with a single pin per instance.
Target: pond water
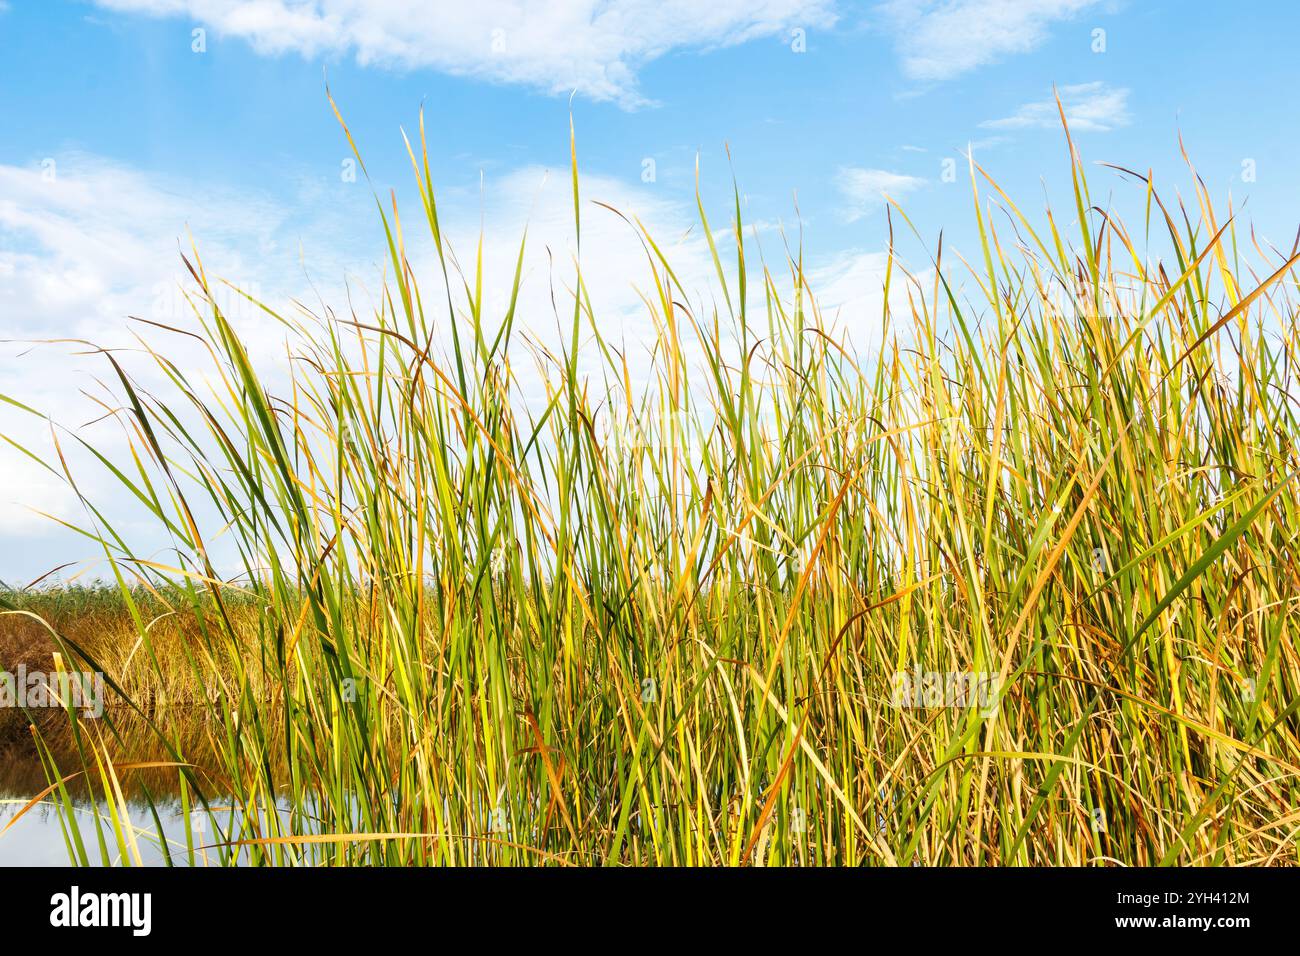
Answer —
(38, 837)
(156, 826)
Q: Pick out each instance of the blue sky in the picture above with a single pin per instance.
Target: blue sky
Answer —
(124, 128)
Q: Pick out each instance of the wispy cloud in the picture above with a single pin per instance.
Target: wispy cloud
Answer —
(593, 46)
(1089, 107)
(865, 189)
(940, 39)
(85, 242)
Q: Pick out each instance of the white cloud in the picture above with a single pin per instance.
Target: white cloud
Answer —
(850, 293)
(85, 243)
(864, 190)
(81, 237)
(1089, 107)
(594, 46)
(940, 39)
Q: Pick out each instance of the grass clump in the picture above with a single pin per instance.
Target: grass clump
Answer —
(666, 624)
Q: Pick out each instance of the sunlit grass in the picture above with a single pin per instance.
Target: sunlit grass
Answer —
(661, 625)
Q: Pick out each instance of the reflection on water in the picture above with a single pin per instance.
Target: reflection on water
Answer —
(122, 734)
(156, 828)
(40, 838)
(148, 812)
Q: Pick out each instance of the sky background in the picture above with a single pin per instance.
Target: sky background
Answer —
(131, 125)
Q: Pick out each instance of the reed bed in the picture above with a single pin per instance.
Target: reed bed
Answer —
(664, 625)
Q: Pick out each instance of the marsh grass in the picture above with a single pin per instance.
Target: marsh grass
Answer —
(661, 625)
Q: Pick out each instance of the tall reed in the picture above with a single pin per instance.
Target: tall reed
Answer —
(666, 624)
